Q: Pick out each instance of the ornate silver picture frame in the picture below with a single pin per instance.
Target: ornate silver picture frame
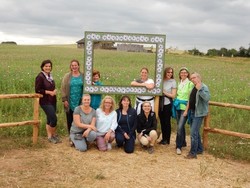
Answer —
(157, 40)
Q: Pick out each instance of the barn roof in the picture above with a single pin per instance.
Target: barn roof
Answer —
(80, 41)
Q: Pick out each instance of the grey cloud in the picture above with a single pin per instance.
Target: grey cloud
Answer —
(187, 24)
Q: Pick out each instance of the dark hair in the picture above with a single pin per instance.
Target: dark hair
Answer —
(168, 69)
(96, 72)
(125, 97)
(47, 61)
(144, 68)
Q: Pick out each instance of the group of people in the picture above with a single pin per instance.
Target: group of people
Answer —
(93, 119)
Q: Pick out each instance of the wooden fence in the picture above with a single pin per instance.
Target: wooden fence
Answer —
(208, 129)
(35, 122)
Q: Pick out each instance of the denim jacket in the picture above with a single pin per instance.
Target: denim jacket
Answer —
(202, 98)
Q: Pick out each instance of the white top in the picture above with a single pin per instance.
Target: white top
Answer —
(148, 81)
(139, 102)
(105, 122)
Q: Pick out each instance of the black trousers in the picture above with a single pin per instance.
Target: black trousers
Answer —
(165, 119)
(69, 116)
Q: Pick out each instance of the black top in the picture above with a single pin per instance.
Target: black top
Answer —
(146, 124)
(192, 99)
(127, 123)
(43, 84)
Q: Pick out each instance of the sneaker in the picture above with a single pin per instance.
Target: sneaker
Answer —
(109, 146)
(56, 137)
(151, 149)
(163, 142)
(52, 140)
(71, 144)
(178, 151)
(199, 152)
(190, 156)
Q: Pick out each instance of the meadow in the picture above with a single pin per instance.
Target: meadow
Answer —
(227, 79)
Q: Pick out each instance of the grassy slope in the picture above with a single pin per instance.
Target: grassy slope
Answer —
(227, 78)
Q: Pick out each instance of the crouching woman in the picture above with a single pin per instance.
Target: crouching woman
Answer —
(83, 128)
(106, 123)
(146, 127)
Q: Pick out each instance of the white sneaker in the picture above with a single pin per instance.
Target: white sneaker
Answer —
(109, 146)
(178, 151)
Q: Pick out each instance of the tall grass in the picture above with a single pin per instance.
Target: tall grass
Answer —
(227, 78)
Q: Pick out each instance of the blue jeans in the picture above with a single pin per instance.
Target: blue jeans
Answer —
(195, 125)
(81, 144)
(129, 145)
(181, 133)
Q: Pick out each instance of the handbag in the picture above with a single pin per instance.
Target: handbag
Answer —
(78, 136)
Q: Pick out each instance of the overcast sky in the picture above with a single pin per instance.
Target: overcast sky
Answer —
(187, 24)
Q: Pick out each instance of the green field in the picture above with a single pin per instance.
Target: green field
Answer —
(227, 78)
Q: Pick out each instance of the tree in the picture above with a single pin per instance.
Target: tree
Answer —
(212, 52)
(232, 52)
(9, 42)
(242, 52)
(223, 52)
(195, 52)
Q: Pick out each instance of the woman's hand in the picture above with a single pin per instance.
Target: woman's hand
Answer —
(185, 113)
(126, 136)
(52, 93)
(149, 86)
(107, 136)
(92, 127)
(86, 133)
(66, 104)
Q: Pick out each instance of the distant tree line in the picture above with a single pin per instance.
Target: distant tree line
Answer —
(9, 42)
(242, 52)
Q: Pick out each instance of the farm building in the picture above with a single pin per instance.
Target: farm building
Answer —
(97, 44)
(130, 48)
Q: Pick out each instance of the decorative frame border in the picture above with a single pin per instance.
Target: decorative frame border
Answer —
(91, 37)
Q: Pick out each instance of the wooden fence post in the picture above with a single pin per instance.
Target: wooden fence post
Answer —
(36, 118)
(205, 132)
(156, 110)
(156, 106)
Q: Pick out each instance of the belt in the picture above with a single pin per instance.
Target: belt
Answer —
(145, 99)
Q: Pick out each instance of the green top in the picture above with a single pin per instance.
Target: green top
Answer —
(183, 90)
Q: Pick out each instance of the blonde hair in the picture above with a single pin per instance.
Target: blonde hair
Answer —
(103, 101)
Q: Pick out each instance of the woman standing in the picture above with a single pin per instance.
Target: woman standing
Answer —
(106, 123)
(180, 103)
(83, 128)
(165, 106)
(72, 90)
(146, 127)
(198, 107)
(144, 81)
(126, 119)
(45, 85)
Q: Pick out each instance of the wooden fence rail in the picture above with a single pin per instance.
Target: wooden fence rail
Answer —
(35, 122)
(208, 129)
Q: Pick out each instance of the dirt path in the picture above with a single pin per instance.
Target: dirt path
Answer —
(62, 166)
